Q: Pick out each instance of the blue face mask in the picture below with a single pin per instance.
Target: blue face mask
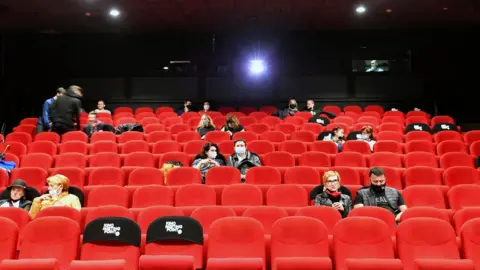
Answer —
(240, 150)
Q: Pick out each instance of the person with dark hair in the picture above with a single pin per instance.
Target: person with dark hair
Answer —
(367, 136)
(210, 157)
(44, 120)
(310, 107)
(187, 107)
(232, 125)
(64, 112)
(378, 194)
(20, 195)
(291, 110)
(93, 125)
(101, 107)
(336, 136)
(242, 159)
(206, 107)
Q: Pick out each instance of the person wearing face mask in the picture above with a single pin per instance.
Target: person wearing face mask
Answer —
(242, 159)
(332, 196)
(187, 107)
(291, 110)
(206, 107)
(378, 194)
(57, 196)
(206, 125)
(210, 157)
(310, 107)
(336, 136)
(18, 195)
(367, 135)
(232, 125)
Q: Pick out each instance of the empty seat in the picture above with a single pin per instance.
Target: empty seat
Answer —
(297, 120)
(186, 136)
(450, 146)
(426, 239)
(393, 120)
(279, 159)
(184, 176)
(248, 136)
(333, 109)
(48, 136)
(396, 127)
(103, 136)
(73, 147)
(135, 146)
(418, 136)
(178, 128)
(8, 240)
(389, 136)
(204, 195)
(163, 147)
(421, 175)
(472, 136)
(288, 126)
(462, 196)
(293, 147)
(60, 211)
(360, 238)
(327, 215)
(358, 146)
(107, 211)
(263, 176)
(304, 136)
(45, 147)
(157, 136)
(273, 136)
(374, 108)
(206, 215)
(388, 146)
(385, 159)
(21, 137)
(350, 159)
(258, 128)
(39, 160)
(287, 195)
(470, 241)
(236, 241)
(71, 160)
(376, 212)
(194, 147)
(301, 242)
(447, 136)
(223, 176)
(217, 136)
(16, 148)
(34, 177)
(261, 147)
(312, 127)
(106, 176)
(327, 147)
(102, 195)
(50, 237)
(424, 195)
(241, 196)
(139, 159)
(75, 136)
(429, 212)
(314, 159)
(152, 195)
(145, 176)
(103, 147)
(416, 159)
(460, 175)
(302, 176)
(475, 149)
(105, 159)
(419, 146)
(349, 176)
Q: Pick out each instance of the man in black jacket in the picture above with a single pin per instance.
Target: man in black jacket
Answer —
(18, 195)
(65, 111)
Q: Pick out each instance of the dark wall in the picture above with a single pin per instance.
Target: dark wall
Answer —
(128, 70)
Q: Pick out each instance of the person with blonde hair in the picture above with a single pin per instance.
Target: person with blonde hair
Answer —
(232, 125)
(57, 196)
(205, 125)
(331, 195)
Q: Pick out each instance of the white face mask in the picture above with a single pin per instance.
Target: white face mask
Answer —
(212, 155)
(55, 192)
(206, 107)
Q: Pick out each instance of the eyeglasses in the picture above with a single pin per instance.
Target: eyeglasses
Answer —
(332, 181)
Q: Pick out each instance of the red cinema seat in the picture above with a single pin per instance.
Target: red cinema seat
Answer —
(48, 136)
(417, 119)
(470, 241)
(388, 146)
(71, 160)
(183, 176)
(424, 159)
(374, 108)
(44, 147)
(472, 136)
(376, 212)
(421, 175)
(289, 196)
(50, 238)
(447, 136)
(34, 177)
(263, 176)
(279, 159)
(135, 146)
(424, 195)
(451, 146)
(259, 115)
(418, 136)
(75, 175)
(39, 160)
(236, 241)
(460, 175)
(152, 195)
(304, 136)
(293, 147)
(442, 119)
(462, 216)
(4, 178)
(102, 195)
(353, 108)
(396, 127)
(163, 147)
(124, 120)
(327, 215)
(145, 176)
(164, 109)
(60, 211)
(456, 159)
(21, 137)
(247, 120)
(139, 159)
(150, 121)
(390, 136)
(349, 176)
(422, 212)
(178, 128)
(314, 159)
(260, 147)
(419, 146)
(107, 211)
(394, 113)
(463, 196)
(140, 110)
(147, 215)
(17, 215)
(226, 147)
(248, 136)
(333, 109)
(222, 176)
(103, 136)
(357, 146)
(271, 121)
(106, 176)
(16, 148)
(73, 147)
(96, 248)
(204, 195)
(206, 215)
(75, 136)
(385, 159)
(312, 127)
(193, 147)
(105, 159)
(302, 176)
(300, 243)
(273, 136)
(174, 156)
(393, 120)
(327, 147)
(30, 129)
(217, 136)
(350, 159)
(241, 196)
(159, 135)
(359, 238)
(123, 110)
(475, 149)
(187, 136)
(258, 128)
(103, 147)
(8, 240)
(425, 240)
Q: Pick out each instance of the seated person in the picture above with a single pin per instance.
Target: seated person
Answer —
(310, 107)
(367, 135)
(209, 157)
(18, 195)
(206, 125)
(319, 189)
(336, 136)
(232, 125)
(378, 194)
(101, 108)
(187, 107)
(206, 107)
(57, 196)
(331, 195)
(291, 110)
(477, 162)
(242, 159)
(93, 125)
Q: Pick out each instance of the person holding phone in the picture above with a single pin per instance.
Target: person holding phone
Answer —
(331, 195)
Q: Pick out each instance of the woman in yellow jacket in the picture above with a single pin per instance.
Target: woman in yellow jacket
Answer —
(57, 196)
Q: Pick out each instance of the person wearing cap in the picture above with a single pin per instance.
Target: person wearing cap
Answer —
(18, 195)
(57, 196)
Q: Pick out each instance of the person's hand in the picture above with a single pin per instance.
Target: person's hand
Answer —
(397, 218)
(338, 206)
(50, 124)
(203, 137)
(229, 132)
(243, 176)
(214, 162)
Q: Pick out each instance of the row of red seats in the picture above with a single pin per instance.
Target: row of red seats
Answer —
(420, 243)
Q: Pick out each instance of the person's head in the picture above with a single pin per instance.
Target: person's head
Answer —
(331, 180)
(77, 90)
(310, 104)
(206, 105)
(17, 190)
(232, 121)
(209, 150)
(60, 91)
(187, 104)
(367, 132)
(240, 146)
(101, 105)
(374, 63)
(292, 104)
(57, 184)
(206, 121)
(378, 181)
(338, 132)
(92, 118)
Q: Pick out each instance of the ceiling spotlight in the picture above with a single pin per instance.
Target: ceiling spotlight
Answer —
(361, 9)
(388, 10)
(88, 14)
(114, 12)
(257, 67)
(165, 68)
(445, 8)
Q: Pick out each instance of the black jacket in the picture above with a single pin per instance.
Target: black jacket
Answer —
(66, 109)
(24, 204)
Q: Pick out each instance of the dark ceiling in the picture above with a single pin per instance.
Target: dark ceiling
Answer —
(154, 15)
